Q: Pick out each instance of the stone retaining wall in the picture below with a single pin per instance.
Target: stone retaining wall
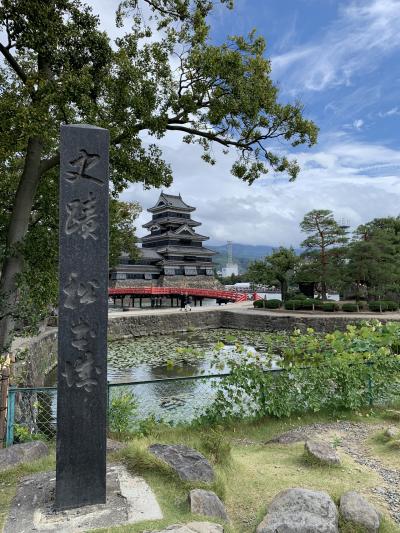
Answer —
(161, 324)
(43, 349)
(258, 321)
(35, 357)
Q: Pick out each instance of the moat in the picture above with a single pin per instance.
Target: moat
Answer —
(185, 354)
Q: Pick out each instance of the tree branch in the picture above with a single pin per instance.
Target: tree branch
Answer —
(13, 63)
(164, 11)
(211, 137)
(47, 164)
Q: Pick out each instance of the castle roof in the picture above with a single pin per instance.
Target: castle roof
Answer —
(171, 201)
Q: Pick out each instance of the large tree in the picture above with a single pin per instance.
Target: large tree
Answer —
(322, 259)
(59, 67)
(276, 269)
(374, 257)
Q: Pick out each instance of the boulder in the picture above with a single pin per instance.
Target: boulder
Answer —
(206, 503)
(392, 433)
(322, 452)
(355, 509)
(300, 510)
(22, 453)
(189, 464)
(194, 527)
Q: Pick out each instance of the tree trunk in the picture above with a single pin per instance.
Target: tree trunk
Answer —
(323, 290)
(284, 289)
(17, 230)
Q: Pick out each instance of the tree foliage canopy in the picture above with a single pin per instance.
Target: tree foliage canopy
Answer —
(163, 75)
(60, 68)
(276, 269)
(323, 254)
(373, 257)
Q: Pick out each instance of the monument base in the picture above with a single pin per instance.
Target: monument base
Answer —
(129, 500)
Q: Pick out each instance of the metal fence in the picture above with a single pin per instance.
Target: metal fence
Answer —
(32, 412)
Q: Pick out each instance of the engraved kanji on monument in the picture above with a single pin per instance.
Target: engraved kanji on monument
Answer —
(83, 308)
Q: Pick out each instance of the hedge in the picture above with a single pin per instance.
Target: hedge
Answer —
(273, 304)
(328, 307)
(391, 306)
(298, 304)
(384, 305)
(350, 308)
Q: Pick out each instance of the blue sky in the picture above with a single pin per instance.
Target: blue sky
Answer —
(341, 59)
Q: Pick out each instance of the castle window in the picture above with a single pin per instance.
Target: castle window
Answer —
(190, 271)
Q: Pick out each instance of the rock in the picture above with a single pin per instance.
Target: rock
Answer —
(194, 527)
(322, 452)
(206, 503)
(392, 432)
(114, 445)
(189, 464)
(290, 437)
(300, 510)
(356, 509)
(22, 453)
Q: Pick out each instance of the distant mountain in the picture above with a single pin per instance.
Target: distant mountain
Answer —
(243, 254)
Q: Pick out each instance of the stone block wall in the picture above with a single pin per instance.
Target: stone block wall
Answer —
(42, 350)
(161, 324)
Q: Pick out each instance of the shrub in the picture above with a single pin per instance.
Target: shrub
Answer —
(295, 295)
(377, 307)
(258, 304)
(299, 304)
(340, 370)
(350, 308)
(216, 445)
(328, 307)
(291, 304)
(273, 304)
(391, 306)
(123, 408)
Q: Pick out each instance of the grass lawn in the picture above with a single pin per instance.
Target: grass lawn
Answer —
(249, 473)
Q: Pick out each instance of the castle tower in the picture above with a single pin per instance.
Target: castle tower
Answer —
(172, 254)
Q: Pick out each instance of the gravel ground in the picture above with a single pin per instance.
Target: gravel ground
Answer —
(353, 436)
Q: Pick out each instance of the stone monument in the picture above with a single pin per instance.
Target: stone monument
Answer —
(83, 308)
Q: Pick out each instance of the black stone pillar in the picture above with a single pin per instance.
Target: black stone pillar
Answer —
(82, 333)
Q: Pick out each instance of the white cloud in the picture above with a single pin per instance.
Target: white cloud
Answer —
(390, 112)
(358, 124)
(363, 32)
(357, 181)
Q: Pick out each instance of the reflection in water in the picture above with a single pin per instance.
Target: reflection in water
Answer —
(167, 357)
(176, 356)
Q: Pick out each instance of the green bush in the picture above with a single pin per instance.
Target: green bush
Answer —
(121, 414)
(350, 308)
(296, 295)
(273, 304)
(290, 304)
(299, 304)
(391, 306)
(378, 306)
(335, 371)
(216, 445)
(328, 307)
(257, 304)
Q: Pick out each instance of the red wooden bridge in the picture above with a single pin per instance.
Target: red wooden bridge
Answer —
(176, 292)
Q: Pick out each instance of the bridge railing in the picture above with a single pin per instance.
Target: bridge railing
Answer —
(180, 291)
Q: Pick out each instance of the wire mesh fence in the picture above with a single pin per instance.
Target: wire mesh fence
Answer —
(32, 412)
